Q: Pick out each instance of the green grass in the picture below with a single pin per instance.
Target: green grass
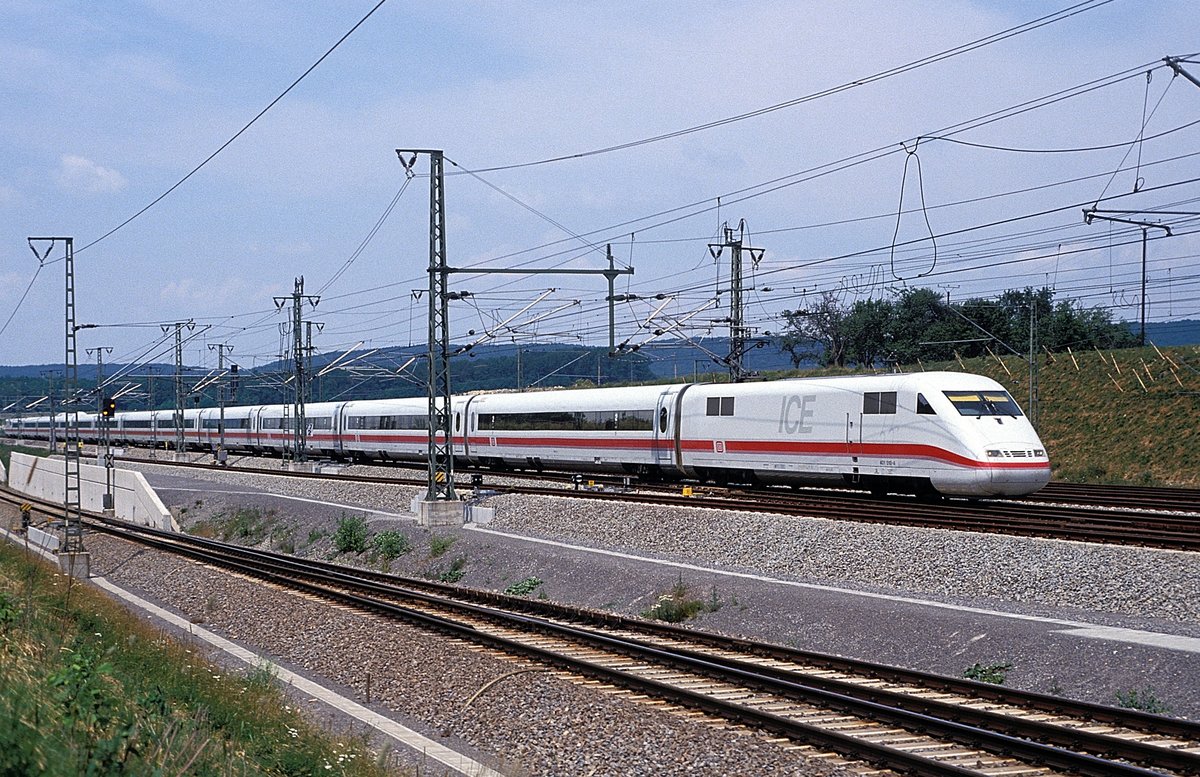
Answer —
(7, 450)
(86, 688)
(246, 525)
(1126, 416)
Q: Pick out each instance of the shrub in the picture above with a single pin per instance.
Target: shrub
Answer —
(439, 545)
(1143, 700)
(988, 673)
(524, 587)
(391, 544)
(351, 535)
(455, 572)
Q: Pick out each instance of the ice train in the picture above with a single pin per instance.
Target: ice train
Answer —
(930, 432)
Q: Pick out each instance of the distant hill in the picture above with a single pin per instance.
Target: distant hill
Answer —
(1184, 332)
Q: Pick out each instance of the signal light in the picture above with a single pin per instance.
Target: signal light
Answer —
(109, 409)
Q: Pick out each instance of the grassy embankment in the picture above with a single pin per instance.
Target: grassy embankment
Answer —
(1129, 416)
(88, 688)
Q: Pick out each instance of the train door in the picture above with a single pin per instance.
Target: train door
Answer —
(877, 427)
(665, 436)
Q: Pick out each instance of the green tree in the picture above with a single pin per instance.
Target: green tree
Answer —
(817, 332)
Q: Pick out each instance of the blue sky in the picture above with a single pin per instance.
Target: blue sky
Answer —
(109, 104)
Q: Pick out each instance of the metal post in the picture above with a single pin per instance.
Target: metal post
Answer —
(441, 448)
(299, 373)
(177, 418)
(1142, 332)
(72, 541)
(50, 375)
(1033, 364)
(180, 442)
(738, 333)
(221, 348)
(103, 447)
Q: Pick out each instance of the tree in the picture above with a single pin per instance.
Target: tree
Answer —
(817, 333)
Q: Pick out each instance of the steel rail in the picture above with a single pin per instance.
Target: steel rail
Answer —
(926, 722)
(960, 724)
(1020, 518)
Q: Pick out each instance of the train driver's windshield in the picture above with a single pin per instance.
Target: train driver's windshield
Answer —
(978, 403)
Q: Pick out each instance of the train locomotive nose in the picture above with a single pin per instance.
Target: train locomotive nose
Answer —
(1015, 469)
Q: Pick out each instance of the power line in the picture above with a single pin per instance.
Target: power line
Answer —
(1034, 24)
(239, 133)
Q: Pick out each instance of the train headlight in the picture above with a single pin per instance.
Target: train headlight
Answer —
(995, 454)
(1039, 452)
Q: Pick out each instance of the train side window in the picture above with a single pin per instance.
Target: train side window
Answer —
(923, 406)
(879, 403)
(662, 420)
(719, 406)
(457, 422)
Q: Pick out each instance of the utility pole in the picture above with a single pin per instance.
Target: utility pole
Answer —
(221, 348)
(737, 327)
(102, 424)
(180, 442)
(308, 355)
(299, 373)
(1090, 214)
(71, 549)
(50, 375)
(1033, 362)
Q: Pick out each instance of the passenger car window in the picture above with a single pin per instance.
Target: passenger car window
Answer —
(923, 406)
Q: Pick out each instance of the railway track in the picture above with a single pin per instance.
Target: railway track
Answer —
(872, 715)
(1063, 518)
(875, 716)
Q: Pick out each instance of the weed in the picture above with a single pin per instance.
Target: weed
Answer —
(524, 587)
(455, 572)
(314, 537)
(678, 605)
(988, 673)
(9, 611)
(351, 535)
(439, 545)
(262, 676)
(1143, 700)
(391, 545)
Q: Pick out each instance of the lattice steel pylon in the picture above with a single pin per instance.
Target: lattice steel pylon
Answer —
(441, 440)
(177, 418)
(738, 332)
(299, 372)
(72, 539)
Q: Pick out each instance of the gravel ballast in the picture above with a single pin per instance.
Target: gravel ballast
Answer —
(532, 722)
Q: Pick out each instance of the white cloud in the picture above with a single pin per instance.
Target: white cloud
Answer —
(79, 174)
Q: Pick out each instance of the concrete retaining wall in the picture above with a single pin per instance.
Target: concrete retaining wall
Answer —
(133, 499)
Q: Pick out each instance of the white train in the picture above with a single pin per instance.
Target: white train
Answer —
(945, 432)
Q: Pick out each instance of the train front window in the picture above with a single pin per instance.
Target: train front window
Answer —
(981, 403)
